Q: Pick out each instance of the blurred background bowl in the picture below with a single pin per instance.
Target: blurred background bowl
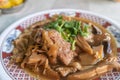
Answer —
(13, 9)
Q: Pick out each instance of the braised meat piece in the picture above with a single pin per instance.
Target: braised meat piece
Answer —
(64, 53)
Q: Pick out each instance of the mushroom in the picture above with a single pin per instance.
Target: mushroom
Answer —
(96, 30)
(107, 48)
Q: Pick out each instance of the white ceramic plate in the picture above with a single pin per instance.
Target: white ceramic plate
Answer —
(12, 72)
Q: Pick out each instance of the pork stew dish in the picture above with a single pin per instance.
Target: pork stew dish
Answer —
(65, 48)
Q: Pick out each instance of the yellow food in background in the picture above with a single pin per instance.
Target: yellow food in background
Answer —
(16, 2)
(10, 3)
(5, 4)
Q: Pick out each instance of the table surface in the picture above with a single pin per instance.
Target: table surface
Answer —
(107, 8)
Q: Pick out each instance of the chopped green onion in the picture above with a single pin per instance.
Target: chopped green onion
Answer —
(73, 45)
(68, 29)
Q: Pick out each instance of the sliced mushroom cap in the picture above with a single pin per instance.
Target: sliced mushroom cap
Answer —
(96, 30)
(107, 47)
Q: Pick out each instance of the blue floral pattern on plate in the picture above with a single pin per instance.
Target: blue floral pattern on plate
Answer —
(7, 46)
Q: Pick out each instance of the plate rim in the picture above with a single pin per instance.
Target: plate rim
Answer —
(13, 25)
